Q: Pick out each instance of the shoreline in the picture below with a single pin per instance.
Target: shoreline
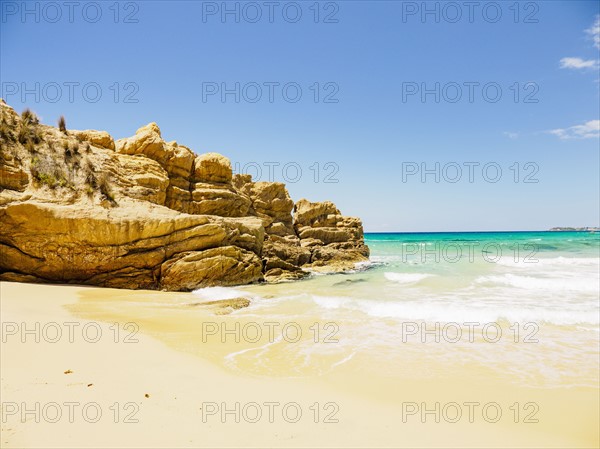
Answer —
(179, 382)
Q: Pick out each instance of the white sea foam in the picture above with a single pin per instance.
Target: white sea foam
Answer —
(461, 314)
(216, 293)
(358, 267)
(406, 278)
(578, 283)
(332, 302)
(344, 360)
(361, 266)
(560, 261)
(460, 311)
(384, 260)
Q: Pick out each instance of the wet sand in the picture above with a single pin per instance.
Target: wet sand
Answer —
(187, 385)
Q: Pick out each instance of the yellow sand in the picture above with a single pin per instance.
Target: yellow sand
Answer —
(180, 375)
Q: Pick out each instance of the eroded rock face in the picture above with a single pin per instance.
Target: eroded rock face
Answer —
(213, 167)
(335, 241)
(226, 265)
(126, 247)
(213, 192)
(12, 174)
(78, 207)
(142, 178)
(283, 256)
(147, 141)
(100, 139)
(218, 199)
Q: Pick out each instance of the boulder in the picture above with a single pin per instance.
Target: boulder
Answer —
(100, 139)
(147, 141)
(227, 265)
(317, 214)
(212, 167)
(179, 161)
(122, 247)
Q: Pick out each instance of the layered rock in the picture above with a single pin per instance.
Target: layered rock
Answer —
(78, 207)
(335, 241)
(12, 174)
(177, 161)
(130, 246)
(142, 178)
(283, 256)
(228, 265)
(100, 139)
(213, 192)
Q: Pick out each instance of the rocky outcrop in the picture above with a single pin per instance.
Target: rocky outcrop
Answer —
(283, 256)
(335, 241)
(128, 246)
(100, 139)
(142, 178)
(12, 174)
(78, 207)
(228, 265)
(213, 191)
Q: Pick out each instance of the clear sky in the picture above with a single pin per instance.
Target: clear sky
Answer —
(518, 89)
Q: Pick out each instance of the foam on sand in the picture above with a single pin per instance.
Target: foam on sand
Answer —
(406, 278)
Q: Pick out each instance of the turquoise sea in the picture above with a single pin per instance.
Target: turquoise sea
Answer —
(548, 277)
(518, 307)
(540, 290)
(504, 318)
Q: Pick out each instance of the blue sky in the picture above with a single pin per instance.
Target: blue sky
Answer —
(540, 106)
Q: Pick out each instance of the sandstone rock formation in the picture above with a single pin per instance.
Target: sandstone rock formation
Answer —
(213, 191)
(78, 207)
(282, 254)
(335, 241)
(100, 139)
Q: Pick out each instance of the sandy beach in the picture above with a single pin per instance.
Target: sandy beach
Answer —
(310, 225)
(103, 387)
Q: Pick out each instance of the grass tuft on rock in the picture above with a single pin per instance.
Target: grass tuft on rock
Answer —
(62, 124)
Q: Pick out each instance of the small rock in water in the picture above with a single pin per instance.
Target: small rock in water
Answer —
(347, 282)
(233, 303)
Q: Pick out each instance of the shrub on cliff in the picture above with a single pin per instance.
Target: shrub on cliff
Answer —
(28, 130)
(62, 125)
(48, 171)
(105, 189)
(28, 117)
(6, 130)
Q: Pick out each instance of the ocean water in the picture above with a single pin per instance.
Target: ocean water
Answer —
(523, 305)
(546, 277)
(518, 308)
